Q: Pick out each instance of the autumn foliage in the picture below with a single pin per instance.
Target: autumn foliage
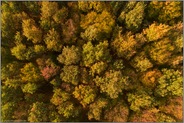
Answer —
(91, 61)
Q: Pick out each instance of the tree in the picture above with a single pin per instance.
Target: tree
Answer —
(56, 82)
(92, 54)
(92, 61)
(112, 83)
(174, 108)
(70, 55)
(61, 15)
(48, 10)
(21, 52)
(49, 72)
(134, 18)
(165, 12)
(161, 117)
(10, 74)
(118, 113)
(30, 73)
(64, 106)
(70, 31)
(32, 7)
(150, 78)
(169, 84)
(31, 31)
(53, 41)
(85, 94)
(161, 51)
(11, 21)
(118, 64)
(124, 45)
(141, 62)
(39, 49)
(10, 98)
(140, 99)
(85, 76)
(38, 112)
(95, 109)
(7, 111)
(147, 115)
(117, 6)
(70, 74)
(156, 31)
(98, 68)
(30, 88)
(11, 70)
(97, 25)
(88, 55)
(88, 6)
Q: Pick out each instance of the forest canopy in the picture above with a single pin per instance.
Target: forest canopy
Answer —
(92, 61)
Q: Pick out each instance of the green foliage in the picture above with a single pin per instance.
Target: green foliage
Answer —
(116, 61)
(70, 74)
(6, 56)
(30, 88)
(11, 70)
(7, 111)
(21, 52)
(139, 99)
(118, 64)
(141, 62)
(176, 36)
(87, 6)
(53, 41)
(169, 12)
(92, 21)
(70, 55)
(161, 117)
(59, 97)
(10, 20)
(9, 99)
(112, 83)
(85, 94)
(32, 7)
(117, 6)
(30, 73)
(85, 77)
(95, 110)
(161, 51)
(38, 113)
(60, 15)
(92, 54)
(48, 10)
(39, 49)
(134, 18)
(56, 81)
(64, 106)
(10, 94)
(31, 31)
(170, 83)
(88, 54)
(98, 68)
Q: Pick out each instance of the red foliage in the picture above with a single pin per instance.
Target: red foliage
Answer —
(48, 72)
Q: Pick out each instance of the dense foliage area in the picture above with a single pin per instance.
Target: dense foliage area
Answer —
(92, 61)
